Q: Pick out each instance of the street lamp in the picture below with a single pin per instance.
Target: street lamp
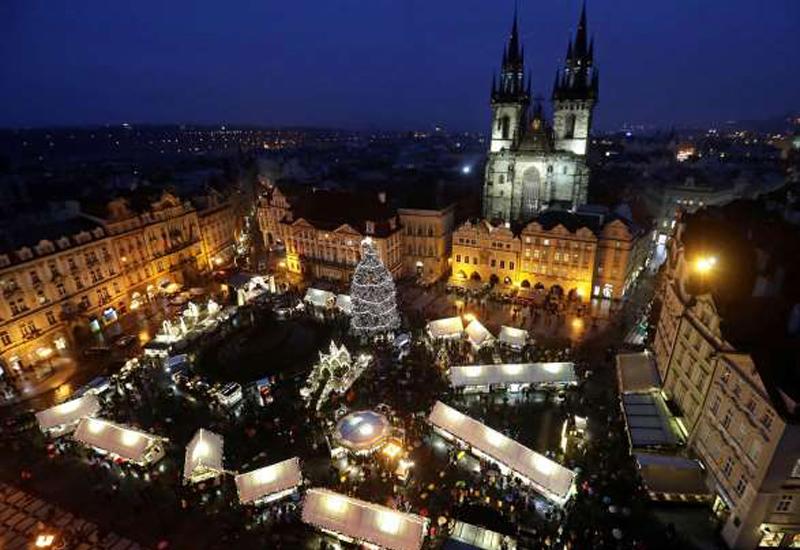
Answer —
(704, 264)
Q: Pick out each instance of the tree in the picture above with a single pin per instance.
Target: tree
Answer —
(372, 293)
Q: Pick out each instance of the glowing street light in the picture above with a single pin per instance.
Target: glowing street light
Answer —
(705, 264)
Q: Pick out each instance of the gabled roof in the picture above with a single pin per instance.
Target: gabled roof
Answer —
(121, 441)
(267, 481)
(68, 412)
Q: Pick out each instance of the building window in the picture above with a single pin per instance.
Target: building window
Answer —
(502, 264)
(741, 485)
(796, 469)
(726, 421)
(466, 259)
(766, 419)
(784, 504)
(475, 260)
(5, 338)
(51, 318)
(727, 467)
(458, 258)
(493, 262)
(511, 265)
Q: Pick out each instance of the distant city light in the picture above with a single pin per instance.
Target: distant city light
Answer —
(466, 169)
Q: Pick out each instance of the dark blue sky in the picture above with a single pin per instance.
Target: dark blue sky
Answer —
(383, 63)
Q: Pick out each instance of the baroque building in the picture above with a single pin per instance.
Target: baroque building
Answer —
(81, 274)
(726, 347)
(531, 165)
(586, 255)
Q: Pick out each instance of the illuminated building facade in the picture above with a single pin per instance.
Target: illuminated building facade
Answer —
(86, 272)
(322, 230)
(531, 166)
(588, 256)
(726, 346)
(427, 237)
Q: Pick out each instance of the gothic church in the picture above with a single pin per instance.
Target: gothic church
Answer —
(532, 166)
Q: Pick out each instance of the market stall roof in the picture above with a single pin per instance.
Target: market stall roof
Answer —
(362, 430)
(473, 536)
(203, 456)
(649, 421)
(671, 475)
(636, 372)
(363, 521)
(344, 303)
(546, 476)
(513, 373)
(478, 334)
(112, 438)
(68, 412)
(319, 298)
(514, 337)
(269, 481)
(451, 327)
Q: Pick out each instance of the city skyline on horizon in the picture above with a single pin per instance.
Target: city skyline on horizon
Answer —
(334, 76)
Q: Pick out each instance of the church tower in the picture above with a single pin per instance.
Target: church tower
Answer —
(575, 93)
(509, 97)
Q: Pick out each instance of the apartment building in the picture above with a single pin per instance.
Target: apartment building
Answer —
(588, 255)
(322, 230)
(82, 274)
(727, 348)
(427, 238)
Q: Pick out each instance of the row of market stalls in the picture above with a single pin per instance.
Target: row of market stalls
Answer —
(545, 476)
(512, 376)
(453, 328)
(655, 434)
(328, 301)
(345, 517)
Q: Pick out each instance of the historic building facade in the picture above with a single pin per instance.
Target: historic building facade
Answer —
(726, 349)
(85, 273)
(322, 230)
(427, 239)
(589, 256)
(532, 166)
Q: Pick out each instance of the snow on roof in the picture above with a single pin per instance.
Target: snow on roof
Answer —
(68, 412)
(203, 456)
(636, 372)
(512, 336)
(363, 521)
(269, 480)
(127, 443)
(546, 476)
(344, 303)
(513, 373)
(478, 334)
(319, 298)
(451, 327)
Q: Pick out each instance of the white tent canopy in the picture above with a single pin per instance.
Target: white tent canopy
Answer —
(513, 337)
(270, 482)
(320, 298)
(546, 476)
(483, 376)
(451, 327)
(203, 457)
(344, 304)
(478, 334)
(358, 520)
(126, 443)
(63, 418)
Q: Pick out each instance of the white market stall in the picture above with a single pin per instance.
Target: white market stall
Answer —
(62, 419)
(320, 298)
(512, 376)
(203, 458)
(513, 337)
(478, 335)
(344, 304)
(269, 483)
(128, 444)
(546, 476)
(355, 520)
(446, 329)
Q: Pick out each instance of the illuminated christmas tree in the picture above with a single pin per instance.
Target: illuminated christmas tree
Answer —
(372, 292)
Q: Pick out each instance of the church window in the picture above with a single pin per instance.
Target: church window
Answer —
(565, 170)
(569, 126)
(505, 124)
(550, 169)
(502, 179)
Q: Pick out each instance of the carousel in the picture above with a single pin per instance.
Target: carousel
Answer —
(361, 432)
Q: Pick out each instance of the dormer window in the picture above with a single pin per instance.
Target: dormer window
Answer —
(370, 228)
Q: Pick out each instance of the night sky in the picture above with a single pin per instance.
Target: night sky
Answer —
(395, 64)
